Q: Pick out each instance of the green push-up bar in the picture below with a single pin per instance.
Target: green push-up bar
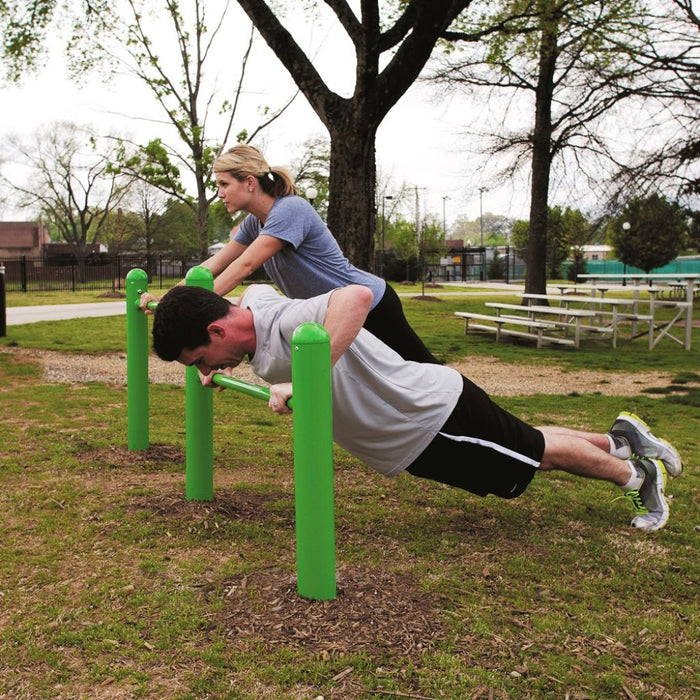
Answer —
(311, 419)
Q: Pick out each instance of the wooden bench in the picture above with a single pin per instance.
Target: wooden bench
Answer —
(535, 332)
(574, 316)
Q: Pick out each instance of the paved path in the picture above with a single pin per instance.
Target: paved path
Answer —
(30, 314)
(59, 312)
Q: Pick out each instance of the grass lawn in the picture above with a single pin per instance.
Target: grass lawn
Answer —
(112, 585)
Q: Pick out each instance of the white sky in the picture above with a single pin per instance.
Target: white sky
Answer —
(420, 142)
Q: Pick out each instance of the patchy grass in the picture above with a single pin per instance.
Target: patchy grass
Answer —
(112, 585)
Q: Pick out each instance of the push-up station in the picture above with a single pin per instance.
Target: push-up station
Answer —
(311, 422)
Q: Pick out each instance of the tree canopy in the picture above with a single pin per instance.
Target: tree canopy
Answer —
(567, 63)
(649, 232)
(391, 48)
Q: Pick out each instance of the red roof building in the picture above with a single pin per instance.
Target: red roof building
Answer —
(23, 238)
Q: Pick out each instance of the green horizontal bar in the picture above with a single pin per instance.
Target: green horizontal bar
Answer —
(258, 392)
(151, 304)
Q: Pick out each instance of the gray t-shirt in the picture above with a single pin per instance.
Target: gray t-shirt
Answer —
(386, 410)
(311, 263)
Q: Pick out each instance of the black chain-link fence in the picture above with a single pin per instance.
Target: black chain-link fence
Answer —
(100, 272)
(107, 272)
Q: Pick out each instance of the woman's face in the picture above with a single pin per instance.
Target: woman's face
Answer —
(234, 193)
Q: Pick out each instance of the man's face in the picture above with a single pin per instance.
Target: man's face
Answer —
(219, 354)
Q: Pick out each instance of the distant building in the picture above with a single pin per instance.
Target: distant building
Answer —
(596, 252)
(23, 238)
(53, 250)
(215, 248)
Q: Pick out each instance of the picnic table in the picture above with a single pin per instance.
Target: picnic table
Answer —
(682, 308)
(612, 309)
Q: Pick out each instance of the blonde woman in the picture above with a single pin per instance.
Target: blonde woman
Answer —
(285, 235)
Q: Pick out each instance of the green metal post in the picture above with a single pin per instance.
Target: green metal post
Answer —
(136, 361)
(199, 418)
(313, 462)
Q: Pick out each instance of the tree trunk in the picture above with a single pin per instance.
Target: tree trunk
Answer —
(203, 221)
(352, 216)
(352, 122)
(536, 272)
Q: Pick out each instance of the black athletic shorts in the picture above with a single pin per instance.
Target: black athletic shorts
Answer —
(482, 448)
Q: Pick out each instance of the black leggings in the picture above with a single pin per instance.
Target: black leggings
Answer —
(387, 322)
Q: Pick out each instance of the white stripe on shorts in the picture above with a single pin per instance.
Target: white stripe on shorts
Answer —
(493, 446)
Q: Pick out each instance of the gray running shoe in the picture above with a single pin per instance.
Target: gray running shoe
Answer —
(644, 443)
(648, 501)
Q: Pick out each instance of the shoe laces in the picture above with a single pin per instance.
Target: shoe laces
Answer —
(635, 501)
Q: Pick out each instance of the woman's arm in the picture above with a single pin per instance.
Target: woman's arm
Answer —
(216, 263)
(247, 260)
(224, 257)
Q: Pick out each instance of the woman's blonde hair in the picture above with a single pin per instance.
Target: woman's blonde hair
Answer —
(244, 160)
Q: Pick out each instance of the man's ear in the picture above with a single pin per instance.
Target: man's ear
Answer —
(216, 329)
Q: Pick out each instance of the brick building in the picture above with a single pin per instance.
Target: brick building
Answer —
(23, 238)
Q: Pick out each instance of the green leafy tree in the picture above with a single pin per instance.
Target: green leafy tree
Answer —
(466, 229)
(122, 231)
(175, 227)
(403, 241)
(559, 228)
(519, 237)
(496, 229)
(649, 232)
(23, 25)
(220, 223)
(578, 232)
(431, 237)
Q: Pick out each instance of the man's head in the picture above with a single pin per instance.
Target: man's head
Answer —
(182, 319)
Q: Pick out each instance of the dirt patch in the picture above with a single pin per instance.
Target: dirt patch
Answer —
(495, 377)
(118, 456)
(510, 379)
(226, 505)
(377, 612)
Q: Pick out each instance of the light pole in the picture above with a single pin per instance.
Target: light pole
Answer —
(311, 194)
(384, 198)
(626, 226)
(481, 213)
(481, 226)
(444, 223)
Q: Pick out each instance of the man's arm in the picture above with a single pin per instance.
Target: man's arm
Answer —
(347, 310)
(346, 313)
